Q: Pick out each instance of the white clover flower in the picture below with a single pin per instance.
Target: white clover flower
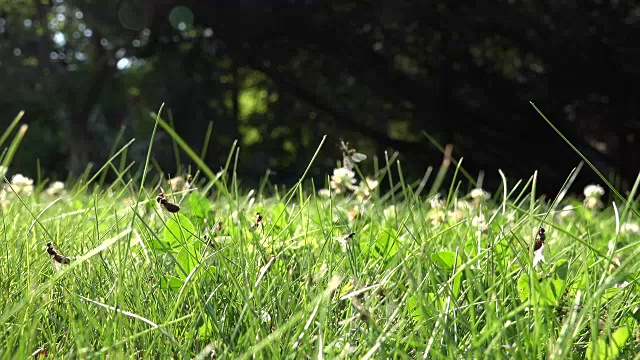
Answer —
(593, 191)
(455, 215)
(355, 212)
(22, 184)
(479, 222)
(462, 206)
(324, 193)
(55, 189)
(178, 183)
(592, 203)
(390, 212)
(479, 195)
(436, 202)
(630, 228)
(20, 180)
(436, 217)
(342, 180)
(566, 211)
(592, 194)
(264, 316)
(363, 191)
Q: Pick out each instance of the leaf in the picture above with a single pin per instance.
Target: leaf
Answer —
(551, 291)
(612, 349)
(471, 246)
(601, 347)
(618, 339)
(445, 259)
(457, 282)
(413, 307)
(279, 216)
(206, 330)
(188, 258)
(386, 244)
(523, 287)
(171, 283)
(561, 269)
(416, 311)
(200, 206)
(178, 231)
(635, 314)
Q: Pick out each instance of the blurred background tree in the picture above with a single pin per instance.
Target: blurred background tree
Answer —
(277, 75)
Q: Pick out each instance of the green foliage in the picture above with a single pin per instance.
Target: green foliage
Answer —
(340, 272)
(380, 76)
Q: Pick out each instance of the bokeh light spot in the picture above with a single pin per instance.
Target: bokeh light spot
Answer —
(135, 15)
(181, 18)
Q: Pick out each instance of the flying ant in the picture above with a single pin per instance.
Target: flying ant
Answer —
(345, 240)
(169, 206)
(59, 258)
(539, 239)
(258, 220)
(350, 155)
(362, 310)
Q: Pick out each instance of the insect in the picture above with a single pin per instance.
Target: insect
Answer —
(350, 155)
(59, 258)
(345, 240)
(362, 310)
(258, 220)
(539, 239)
(169, 206)
(217, 227)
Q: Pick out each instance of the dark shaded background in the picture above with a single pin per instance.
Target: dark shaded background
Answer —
(278, 74)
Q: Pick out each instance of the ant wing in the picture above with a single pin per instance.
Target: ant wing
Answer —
(357, 157)
(57, 267)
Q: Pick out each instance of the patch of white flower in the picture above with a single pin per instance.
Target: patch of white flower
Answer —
(179, 183)
(479, 195)
(342, 180)
(324, 193)
(436, 202)
(479, 222)
(22, 185)
(363, 191)
(592, 194)
(355, 213)
(436, 217)
(390, 212)
(593, 191)
(265, 316)
(630, 228)
(566, 211)
(55, 189)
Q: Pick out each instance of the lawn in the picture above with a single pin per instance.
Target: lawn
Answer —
(199, 267)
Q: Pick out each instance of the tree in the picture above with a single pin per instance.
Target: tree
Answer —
(279, 74)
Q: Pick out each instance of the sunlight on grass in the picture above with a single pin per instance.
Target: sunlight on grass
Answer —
(342, 270)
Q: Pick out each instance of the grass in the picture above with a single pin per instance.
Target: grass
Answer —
(422, 277)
